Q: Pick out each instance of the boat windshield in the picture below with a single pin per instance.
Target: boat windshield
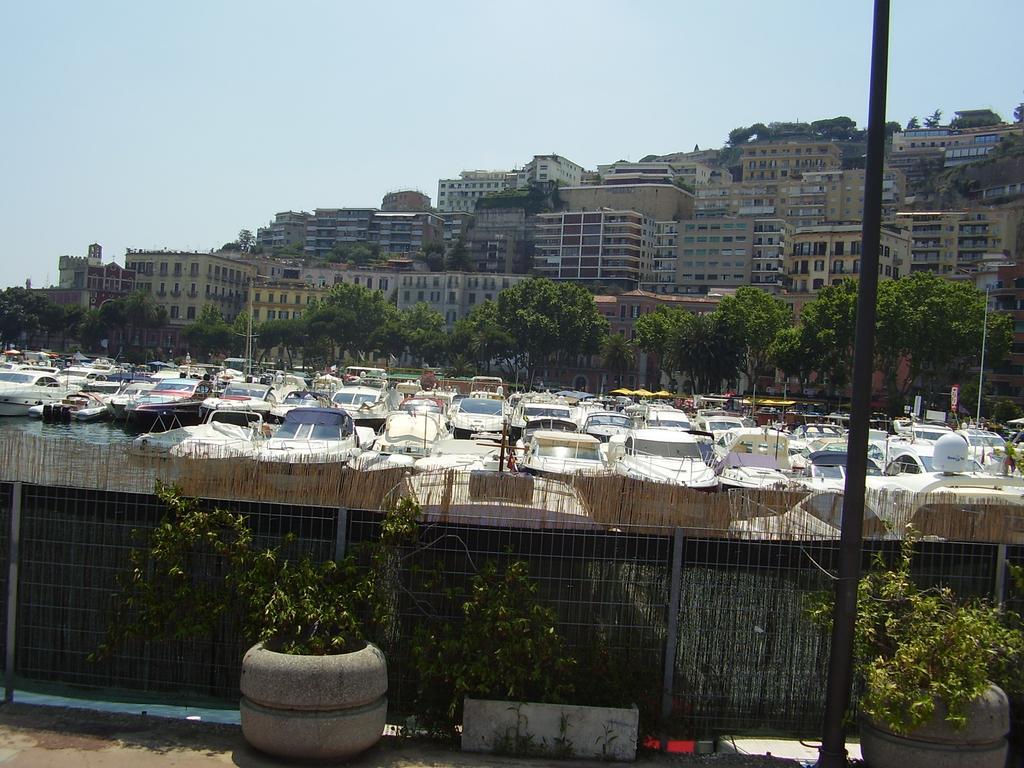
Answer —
(16, 378)
(609, 420)
(545, 412)
(354, 398)
(174, 386)
(245, 390)
(482, 406)
(308, 432)
(667, 450)
(716, 425)
(580, 451)
(658, 422)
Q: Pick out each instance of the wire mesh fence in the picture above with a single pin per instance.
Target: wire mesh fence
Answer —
(746, 657)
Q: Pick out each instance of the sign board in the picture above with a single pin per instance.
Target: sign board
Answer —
(954, 398)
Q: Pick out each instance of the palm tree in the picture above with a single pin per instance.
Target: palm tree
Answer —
(618, 355)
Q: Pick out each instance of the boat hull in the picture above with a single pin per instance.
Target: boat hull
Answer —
(153, 417)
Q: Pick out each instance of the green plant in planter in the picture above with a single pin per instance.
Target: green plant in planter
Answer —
(507, 647)
(915, 647)
(201, 572)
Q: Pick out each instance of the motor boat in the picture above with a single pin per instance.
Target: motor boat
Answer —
(473, 415)
(223, 434)
(662, 456)
(717, 422)
(170, 403)
(368, 406)
(67, 409)
(826, 471)
(605, 424)
(313, 436)
(553, 453)
(241, 396)
(22, 388)
(753, 458)
(457, 453)
(532, 407)
(128, 393)
(405, 438)
(297, 398)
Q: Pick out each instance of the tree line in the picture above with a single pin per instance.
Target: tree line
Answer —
(928, 334)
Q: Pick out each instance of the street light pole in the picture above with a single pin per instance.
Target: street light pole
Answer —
(981, 371)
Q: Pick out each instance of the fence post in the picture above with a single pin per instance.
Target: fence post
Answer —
(1000, 583)
(341, 534)
(672, 641)
(13, 561)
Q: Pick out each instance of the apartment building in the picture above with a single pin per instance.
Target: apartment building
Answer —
(500, 240)
(1005, 284)
(452, 294)
(830, 253)
(714, 253)
(768, 253)
(548, 169)
(604, 246)
(945, 241)
(284, 298)
(287, 228)
(771, 160)
(664, 271)
(460, 195)
(396, 232)
(744, 198)
(691, 174)
(823, 196)
(405, 200)
(661, 202)
(919, 151)
(183, 282)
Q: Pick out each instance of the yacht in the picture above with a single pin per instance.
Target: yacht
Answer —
(22, 388)
(171, 403)
(662, 456)
(405, 438)
(223, 434)
(753, 458)
(556, 453)
(313, 436)
(241, 396)
(368, 406)
(477, 414)
(605, 424)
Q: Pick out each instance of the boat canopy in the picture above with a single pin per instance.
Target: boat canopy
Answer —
(320, 416)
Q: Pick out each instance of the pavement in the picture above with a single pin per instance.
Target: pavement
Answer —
(47, 736)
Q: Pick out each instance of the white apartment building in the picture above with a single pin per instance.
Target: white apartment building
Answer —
(460, 195)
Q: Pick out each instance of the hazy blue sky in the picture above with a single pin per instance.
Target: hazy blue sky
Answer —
(176, 124)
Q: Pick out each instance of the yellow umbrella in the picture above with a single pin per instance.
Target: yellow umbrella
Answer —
(662, 393)
(643, 393)
(621, 391)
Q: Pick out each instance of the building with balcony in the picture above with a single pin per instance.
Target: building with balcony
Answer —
(548, 169)
(404, 233)
(830, 253)
(614, 247)
(1005, 284)
(945, 241)
(288, 228)
(452, 294)
(183, 282)
(661, 202)
(834, 196)
(773, 160)
(460, 195)
(920, 151)
(714, 253)
(500, 240)
(744, 198)
(768, 253)
(85, 281)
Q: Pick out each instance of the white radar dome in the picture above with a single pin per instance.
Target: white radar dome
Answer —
(951, 454)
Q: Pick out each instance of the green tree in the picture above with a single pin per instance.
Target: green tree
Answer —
(246, 240)
(209, 333)
(706, 351)
(483, 338)
(458, 258)
(754, 318)
(826, 333)
(359, 254)
(287, 336)
(913, 123)
(51, 321)
(140, 312)
(349, 317)
(433, 254)
(550, 322)
(935, 120)
(426, 335)
(20, 313)
(73, 317)
(653, 334)
(1018, 113)
(618, 356)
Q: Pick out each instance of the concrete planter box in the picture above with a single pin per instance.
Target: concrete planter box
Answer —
(556, 730)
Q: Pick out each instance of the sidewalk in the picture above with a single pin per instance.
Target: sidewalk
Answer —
(33, 736)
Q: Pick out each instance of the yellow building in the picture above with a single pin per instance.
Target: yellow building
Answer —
(183, 282)
(945, 241)
(772, 160)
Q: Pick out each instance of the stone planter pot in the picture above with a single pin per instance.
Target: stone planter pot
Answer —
(555, 730)
(313, 707)
(981, 743)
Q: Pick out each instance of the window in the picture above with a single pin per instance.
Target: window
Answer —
(271, 314)
(190, 313)
(175, 313)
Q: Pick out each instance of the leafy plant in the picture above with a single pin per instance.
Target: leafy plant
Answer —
(915, 647)
(507, 647)
(200, 572)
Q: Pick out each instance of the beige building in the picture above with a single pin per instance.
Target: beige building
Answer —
(714, 254)
(833, 196)
(603, 246)
(693, 174)
(452, 294)
(945, 241)
(830, 253)
(771, 160)
(744, 198)
(920, 150)
(768, 253)
(661, 202)
(183, 282)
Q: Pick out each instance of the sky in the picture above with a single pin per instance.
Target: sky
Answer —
(177, 124)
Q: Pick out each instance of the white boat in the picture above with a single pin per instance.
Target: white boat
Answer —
(753, 458)
(472, 415)
(242, 396)
(297, 398)
(368, 406)
(224, 434)
(606, 424)
(456, 453)
(531, 407)
(313, 436)
(129, 393)
(662, 456)
(405, 438)
(492, 387)
(555, 453)
(22, 388)
(717, 422)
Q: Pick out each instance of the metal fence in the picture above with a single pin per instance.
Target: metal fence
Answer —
(707, 628)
